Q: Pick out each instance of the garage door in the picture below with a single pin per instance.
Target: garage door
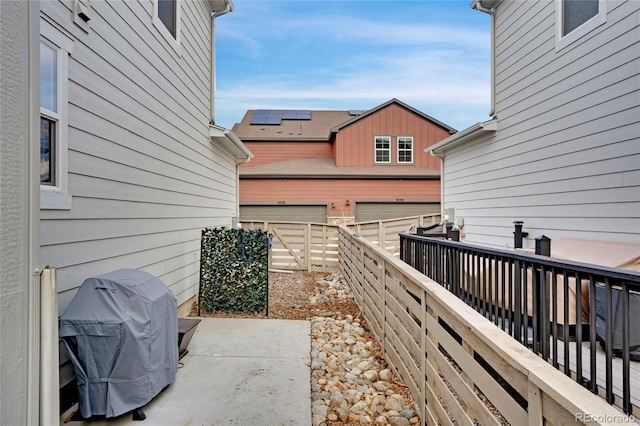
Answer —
(287, 213)
(366, 211)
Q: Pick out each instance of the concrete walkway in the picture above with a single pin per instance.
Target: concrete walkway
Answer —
(240, 372)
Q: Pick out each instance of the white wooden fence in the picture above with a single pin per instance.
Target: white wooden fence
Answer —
(301, 246)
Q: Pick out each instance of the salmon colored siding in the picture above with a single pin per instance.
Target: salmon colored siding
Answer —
(271, 152)
(354, 144)
(337, 191)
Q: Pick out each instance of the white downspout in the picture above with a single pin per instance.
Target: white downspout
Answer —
(441, 157)
(49, 348)
(214, 15)
(477, 4)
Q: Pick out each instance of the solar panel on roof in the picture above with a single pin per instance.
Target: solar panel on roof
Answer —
(275, 116)
(260, 116)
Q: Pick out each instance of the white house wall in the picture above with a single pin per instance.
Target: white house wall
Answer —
(566, 157)
(144, 177)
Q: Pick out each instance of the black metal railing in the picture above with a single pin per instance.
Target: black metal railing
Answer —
(552, 306)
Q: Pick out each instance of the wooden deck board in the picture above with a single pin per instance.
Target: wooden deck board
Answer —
(634, 370)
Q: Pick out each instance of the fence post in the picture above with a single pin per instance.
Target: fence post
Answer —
(200, 277)
(543, 245)
(423, 355)
(307, 246)
(535, 405)
(384, 309)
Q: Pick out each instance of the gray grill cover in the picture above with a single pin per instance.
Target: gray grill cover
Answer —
(121, 333)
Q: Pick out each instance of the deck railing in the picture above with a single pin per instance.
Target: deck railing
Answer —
(459, 367)
(561, 310)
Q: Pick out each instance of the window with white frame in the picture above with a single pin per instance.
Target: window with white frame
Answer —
(55, 49)
(405, 149)
(382, 149)
(49, 114)
(575, 18)
(166, 18)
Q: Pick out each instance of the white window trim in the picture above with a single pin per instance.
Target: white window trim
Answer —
(173, 42)
(57, 197)
(590, 25)
(375, 150)
(398, 150)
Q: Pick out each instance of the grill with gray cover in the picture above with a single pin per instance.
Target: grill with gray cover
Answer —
(121, 333)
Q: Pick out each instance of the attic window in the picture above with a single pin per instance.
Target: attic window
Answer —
(166, 18)
(576, 18)
(576, 13)
(167, 13)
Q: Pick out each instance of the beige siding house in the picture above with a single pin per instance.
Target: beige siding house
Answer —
(145, 169)
(18, 202)
(131, 163)
(561, 151)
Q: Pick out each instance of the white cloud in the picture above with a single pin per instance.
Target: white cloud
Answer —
(279, 59)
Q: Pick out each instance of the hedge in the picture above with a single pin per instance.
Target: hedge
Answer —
(233, 270)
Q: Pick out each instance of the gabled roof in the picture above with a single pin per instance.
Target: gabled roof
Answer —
(386, 104)
(322, 125)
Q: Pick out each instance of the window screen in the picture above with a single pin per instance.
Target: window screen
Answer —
(576, 13)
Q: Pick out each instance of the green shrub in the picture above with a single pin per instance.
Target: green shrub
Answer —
(233, 270)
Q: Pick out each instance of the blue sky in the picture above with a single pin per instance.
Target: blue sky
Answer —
(354, 54)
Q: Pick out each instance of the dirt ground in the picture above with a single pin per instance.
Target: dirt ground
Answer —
(289, 295)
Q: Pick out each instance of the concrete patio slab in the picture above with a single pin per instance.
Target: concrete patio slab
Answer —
(238, 372)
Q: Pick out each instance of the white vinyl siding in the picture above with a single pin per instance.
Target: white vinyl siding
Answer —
(566, 157)
(144, 175)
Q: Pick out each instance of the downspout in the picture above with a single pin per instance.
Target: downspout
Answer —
(477, 5)
(215, 15)
(441, 157)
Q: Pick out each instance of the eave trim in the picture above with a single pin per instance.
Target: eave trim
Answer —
(229, 141)
(480, 129)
